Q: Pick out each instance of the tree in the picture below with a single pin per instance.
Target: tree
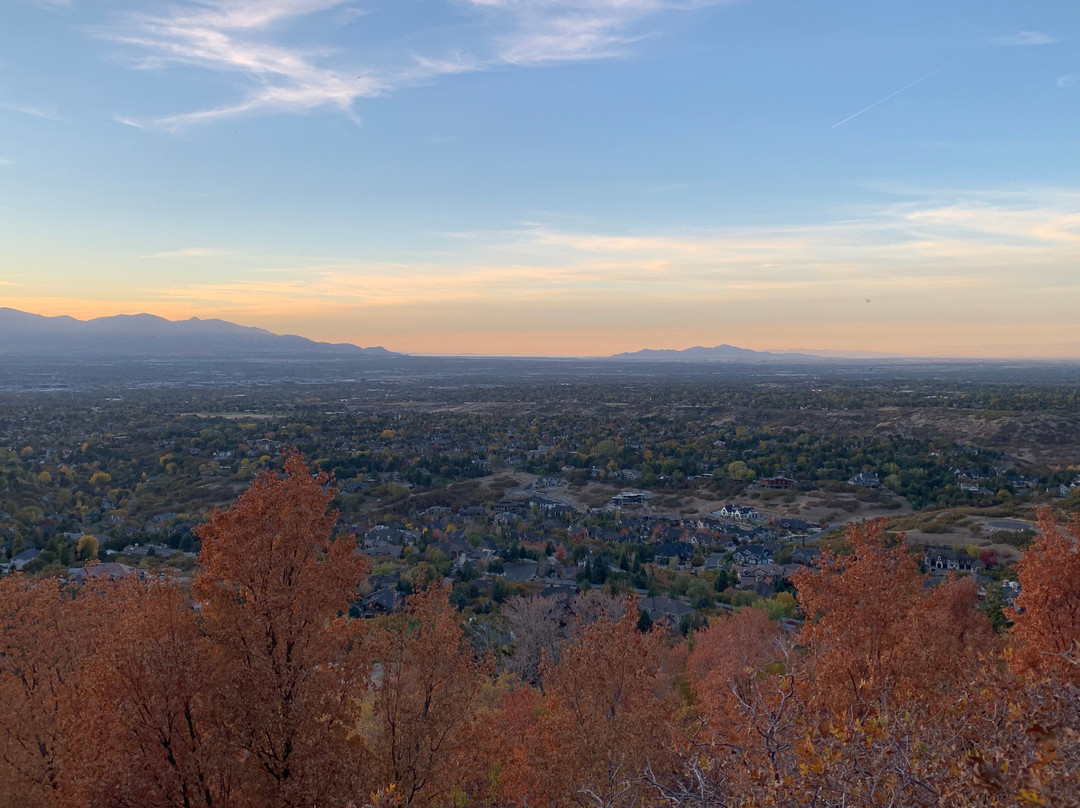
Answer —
(599, 722)
(46, 632)
(888, 660)
(645, 622)
(1047, 617)
(148, 729)
(275, 589)
(87, 548)
(744, 675)
(877, 631)
(425, 700)
(534, 624)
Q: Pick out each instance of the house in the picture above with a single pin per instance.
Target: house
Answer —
(778, 483)
(665, 610)
(752, 555)
(24, 558)
(631, 499)
(675, 549)
(793, 525)
(552, 506)
(518, 572)
(740, 513)
(866, 479)
(806, 555)
(510, 505)
(384, 601)
(941, 559)
(110, 570)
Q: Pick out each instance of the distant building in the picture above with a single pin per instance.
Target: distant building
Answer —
(740, 513)
(778, 483)
(631, 499)
(866, 479)
(518, 572)
(941, 559)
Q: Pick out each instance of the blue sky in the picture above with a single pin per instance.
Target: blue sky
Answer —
(551, 176)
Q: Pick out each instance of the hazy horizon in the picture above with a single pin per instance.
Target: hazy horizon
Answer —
(818, 352)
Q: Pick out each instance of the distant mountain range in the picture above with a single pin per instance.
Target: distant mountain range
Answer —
(731, 353)
(147, 336)
(719, 353)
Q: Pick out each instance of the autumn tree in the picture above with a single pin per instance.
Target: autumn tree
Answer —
(147, 730)
(876, 630)
(744, 674)
(887, 661)
(1047, 615)
(424, 700)
(274, 589)
(46, 632)
(601, 720)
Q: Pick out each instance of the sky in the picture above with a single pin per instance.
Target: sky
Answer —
(552, 177)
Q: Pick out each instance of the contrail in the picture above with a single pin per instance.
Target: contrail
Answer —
(905, 88)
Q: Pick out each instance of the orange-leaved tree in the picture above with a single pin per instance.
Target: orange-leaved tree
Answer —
(601, 722)
(273, 591)
(887, 661)
(744, 673)
(46, 633)
(876, 631)
(1046, 626)
(424, 702)
(147, 731)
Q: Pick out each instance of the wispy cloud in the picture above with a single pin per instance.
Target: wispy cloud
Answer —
(949, 270)
(246, 39)
(235, 37)
(1069, 80)
(6, 162)
(927, 252)
(1023, 39)
(548, 31)
(48, 113)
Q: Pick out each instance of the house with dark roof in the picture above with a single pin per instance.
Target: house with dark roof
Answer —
(752, 555)
(24, 558)
(384, 601)
(943, 559)
(518, 572)
(665, 610)
(866, 479)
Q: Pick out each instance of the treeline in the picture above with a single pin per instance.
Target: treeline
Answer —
(251, 686)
